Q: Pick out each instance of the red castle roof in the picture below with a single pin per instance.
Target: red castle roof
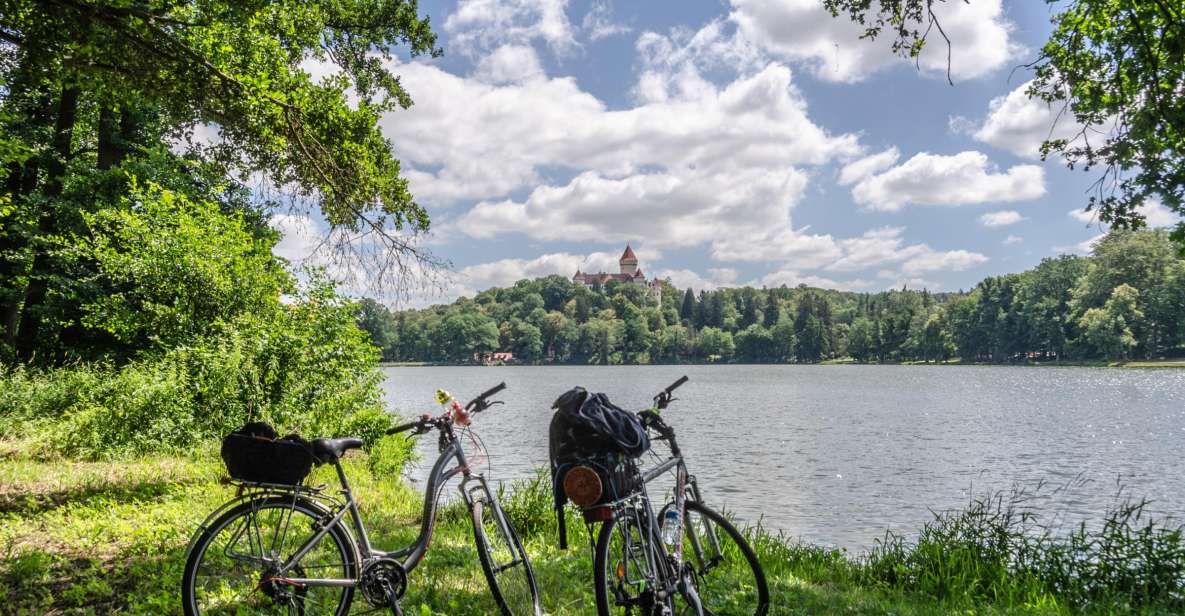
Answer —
(628, 255)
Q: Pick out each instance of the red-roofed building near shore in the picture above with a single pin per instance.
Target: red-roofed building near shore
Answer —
(630, 274)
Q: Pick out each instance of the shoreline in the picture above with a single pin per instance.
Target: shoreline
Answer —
(1178, 363)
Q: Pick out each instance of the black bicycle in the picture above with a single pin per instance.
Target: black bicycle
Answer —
(688, 560)
(285, 549)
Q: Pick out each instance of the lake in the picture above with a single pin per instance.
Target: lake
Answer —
(835, 455)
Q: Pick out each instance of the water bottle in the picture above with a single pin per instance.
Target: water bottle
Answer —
(670, 527)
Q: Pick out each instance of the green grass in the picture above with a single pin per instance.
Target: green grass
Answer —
(110, 537)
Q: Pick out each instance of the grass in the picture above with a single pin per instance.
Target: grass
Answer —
(110, 537)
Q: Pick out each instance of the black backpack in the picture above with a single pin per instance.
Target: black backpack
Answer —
(589, 430)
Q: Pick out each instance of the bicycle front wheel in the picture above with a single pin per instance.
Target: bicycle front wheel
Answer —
(629, 569)
(724, 574)
(233, 566)
(503, 559)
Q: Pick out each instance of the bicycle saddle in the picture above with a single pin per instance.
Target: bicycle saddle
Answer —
(329, 450)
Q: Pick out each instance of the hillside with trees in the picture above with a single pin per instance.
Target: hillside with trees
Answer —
(1125, 301)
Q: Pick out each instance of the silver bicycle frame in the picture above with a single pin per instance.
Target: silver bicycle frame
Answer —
(412, 555)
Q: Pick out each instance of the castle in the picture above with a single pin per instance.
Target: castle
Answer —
(630, 274)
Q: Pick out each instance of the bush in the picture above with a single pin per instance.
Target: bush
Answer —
(304, 367)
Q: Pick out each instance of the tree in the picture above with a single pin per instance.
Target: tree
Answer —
(674, 344)
(1117, 67)
(687, 311)
(862, 342)
(812, 341)
(1107, 330)
(93, 88)
(165, 274)
(528, 341)
(771, 313)
(714, 344)
(755, 344)
(377, 321)
(783, 340)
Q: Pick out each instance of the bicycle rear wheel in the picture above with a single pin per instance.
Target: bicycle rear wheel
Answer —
(503, 559)
(724, 572)
(628, 568)
(231, 568)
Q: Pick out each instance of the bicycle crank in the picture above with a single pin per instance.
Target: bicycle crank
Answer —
(383, 583)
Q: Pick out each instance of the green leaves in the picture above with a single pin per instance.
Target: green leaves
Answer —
(243, 65)
(174, 270)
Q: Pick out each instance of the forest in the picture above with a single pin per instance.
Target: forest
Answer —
(1125, 301)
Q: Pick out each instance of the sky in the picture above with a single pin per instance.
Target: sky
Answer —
(739, 142)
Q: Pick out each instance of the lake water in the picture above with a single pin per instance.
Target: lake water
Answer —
(836, 455)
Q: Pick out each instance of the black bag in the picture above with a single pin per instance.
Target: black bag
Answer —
(588, 430)
(254, 454)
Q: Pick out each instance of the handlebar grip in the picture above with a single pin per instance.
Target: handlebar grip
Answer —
(683, 379)
(493, 390)
(404, 428)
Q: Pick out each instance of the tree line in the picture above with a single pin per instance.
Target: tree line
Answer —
(1126, 300)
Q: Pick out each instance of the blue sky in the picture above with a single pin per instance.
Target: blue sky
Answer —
(730, 142)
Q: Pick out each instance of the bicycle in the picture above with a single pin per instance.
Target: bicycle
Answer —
(712, 570)
(285, 549)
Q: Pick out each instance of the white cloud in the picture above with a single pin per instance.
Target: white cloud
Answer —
(1019, 124)
(803, 31)
(1003, 218)
(1013, 239)
(879, 247)
(299, 237)
(959, 179)
(874, 248)
(510, 64)
(1083, 216)
(1157, 215)
(598, 22)
(477, 26)
(687, 279)
(949, 261)
(914, 283)
(500, 138)
(1082, 248)
(792, 278)
(1154, 212)
(869, 165)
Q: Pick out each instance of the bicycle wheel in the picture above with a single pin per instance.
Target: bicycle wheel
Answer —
(628, 568)
(231, 569)
(726, 577)
(503, 559)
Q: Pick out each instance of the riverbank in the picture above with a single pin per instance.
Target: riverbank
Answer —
(108, 537)
(847, 361)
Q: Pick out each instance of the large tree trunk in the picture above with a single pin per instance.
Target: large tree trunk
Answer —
(63, 137)
(108, 141)
(21, 180)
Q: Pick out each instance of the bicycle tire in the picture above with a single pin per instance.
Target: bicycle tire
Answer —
(511, 593)
(635, 532)
(342, 543)
(731, 592)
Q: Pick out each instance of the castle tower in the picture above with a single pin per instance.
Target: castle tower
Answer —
(628, 261)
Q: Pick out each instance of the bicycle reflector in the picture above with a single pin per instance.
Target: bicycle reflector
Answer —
(583, 486)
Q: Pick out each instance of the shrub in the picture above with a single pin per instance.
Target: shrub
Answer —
(303, 367)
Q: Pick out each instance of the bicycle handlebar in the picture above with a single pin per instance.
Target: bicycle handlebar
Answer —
(419, 423)
(479, 403)
(683, 379)
(664, 397)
